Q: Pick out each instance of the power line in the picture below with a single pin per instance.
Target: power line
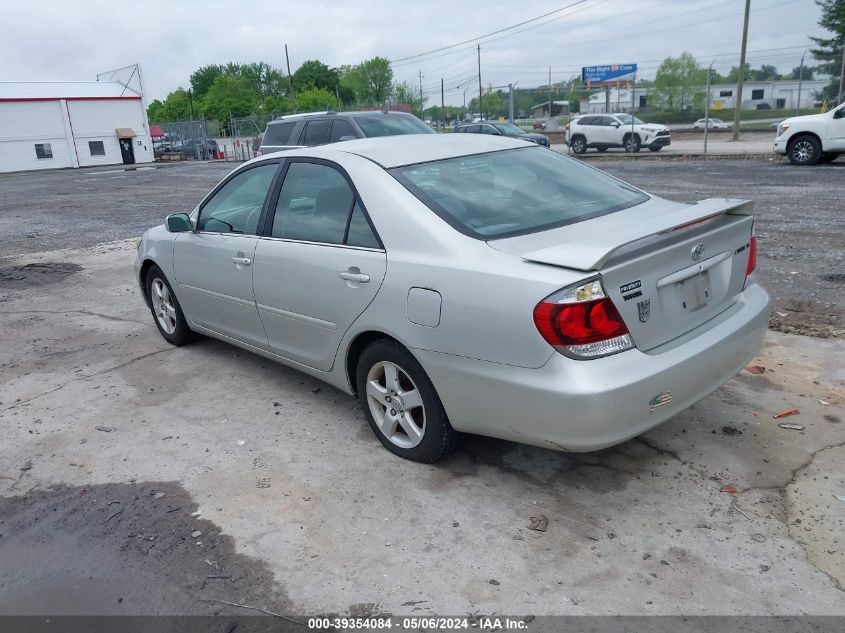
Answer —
(502, 30)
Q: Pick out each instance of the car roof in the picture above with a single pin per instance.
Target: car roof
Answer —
(410, 149)
(332, 113)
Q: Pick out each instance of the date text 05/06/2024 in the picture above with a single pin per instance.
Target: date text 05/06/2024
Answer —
(484, 623)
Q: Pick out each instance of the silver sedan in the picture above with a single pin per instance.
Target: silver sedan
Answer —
(466, 284)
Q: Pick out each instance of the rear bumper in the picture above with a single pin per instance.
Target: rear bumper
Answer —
(589, 405)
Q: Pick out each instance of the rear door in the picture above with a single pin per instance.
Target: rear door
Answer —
(279, 136)
(318, 265)
(316, 132)
(213, 264)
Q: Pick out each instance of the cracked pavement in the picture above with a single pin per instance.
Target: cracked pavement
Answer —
(311, 502)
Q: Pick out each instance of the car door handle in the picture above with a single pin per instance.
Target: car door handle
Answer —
(359, 277)
(243, 261)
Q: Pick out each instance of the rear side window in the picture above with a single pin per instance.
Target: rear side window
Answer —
(316, 132)
(360, 233)
(511, 192)
(341, 128)
(314, 204)
(279, 133)
(391, 125)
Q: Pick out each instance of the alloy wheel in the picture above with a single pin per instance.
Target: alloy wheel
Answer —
(802, 151)
(396, 404)
(163, 308)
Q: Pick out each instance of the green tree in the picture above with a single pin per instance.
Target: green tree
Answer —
(229, 96)
(678, 83)
(202, 78)
(829, 49)
(807, 73)
(177, 106)
(315, 99)
(315, 74)
(371, 80)
(156, 111)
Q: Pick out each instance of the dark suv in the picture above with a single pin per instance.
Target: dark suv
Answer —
(319, 128)
(503, 129)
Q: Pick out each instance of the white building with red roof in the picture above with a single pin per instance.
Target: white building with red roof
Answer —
(56, 124)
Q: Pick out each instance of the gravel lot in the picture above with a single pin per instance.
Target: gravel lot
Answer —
(718, 511)
(800, 217)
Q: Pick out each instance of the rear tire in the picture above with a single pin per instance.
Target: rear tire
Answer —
(804, 150)
(578, 145)
(401, 405)
(166, 311)
(632, 143)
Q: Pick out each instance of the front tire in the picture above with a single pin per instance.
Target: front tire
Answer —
(804, 150)
(632, 143)
(401, 405)
(165, 308)
(578, 145)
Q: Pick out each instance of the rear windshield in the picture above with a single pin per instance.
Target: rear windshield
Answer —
(516, 191)
(278, 133)
(391, 125)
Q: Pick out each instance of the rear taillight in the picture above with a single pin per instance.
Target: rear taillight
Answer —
(752, 256)
(581, 321)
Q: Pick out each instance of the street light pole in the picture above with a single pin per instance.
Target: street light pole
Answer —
(738, 104)
(707, 105)
(841, 73)
(480, 109)
(800, 81)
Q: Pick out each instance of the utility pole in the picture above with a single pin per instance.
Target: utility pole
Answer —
(707, 104)
(421, 95)
(290, 79)
(800, 81)
(841, 73)
(738, 103)
(550, 96)
(442, 102)
(480, 109)
(510, 103)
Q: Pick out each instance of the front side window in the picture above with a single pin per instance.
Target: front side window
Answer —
(511, 192)
(508, 129)
(625, 119)
(236, 207)
(96, 148)
(43, 150)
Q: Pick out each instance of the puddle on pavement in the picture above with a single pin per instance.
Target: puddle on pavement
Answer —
(118, 549)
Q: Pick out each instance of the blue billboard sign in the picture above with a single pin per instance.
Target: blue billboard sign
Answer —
(609, 73)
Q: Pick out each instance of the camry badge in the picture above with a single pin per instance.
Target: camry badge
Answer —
(644, 310)
(664, 397)
(697, 251)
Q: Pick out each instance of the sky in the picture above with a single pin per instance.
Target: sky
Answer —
(62, 40)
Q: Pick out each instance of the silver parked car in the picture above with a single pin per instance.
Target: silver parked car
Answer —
(466, 284)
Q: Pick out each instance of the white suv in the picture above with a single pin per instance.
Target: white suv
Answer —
(814, 138)
(615, 130)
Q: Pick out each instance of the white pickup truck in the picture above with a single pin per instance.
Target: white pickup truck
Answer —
(811, 139)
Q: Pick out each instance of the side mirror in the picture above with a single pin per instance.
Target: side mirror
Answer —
(178, 223)
(616, 124)
(347, 138)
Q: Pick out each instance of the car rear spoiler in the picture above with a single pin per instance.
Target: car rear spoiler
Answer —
(591, 243)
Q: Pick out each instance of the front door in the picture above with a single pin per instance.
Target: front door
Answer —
(318, 267)
(214, 263)
(126, 151)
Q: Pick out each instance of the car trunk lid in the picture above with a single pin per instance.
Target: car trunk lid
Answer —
(668, 267)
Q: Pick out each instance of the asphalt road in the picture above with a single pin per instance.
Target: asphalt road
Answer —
(800, 216)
